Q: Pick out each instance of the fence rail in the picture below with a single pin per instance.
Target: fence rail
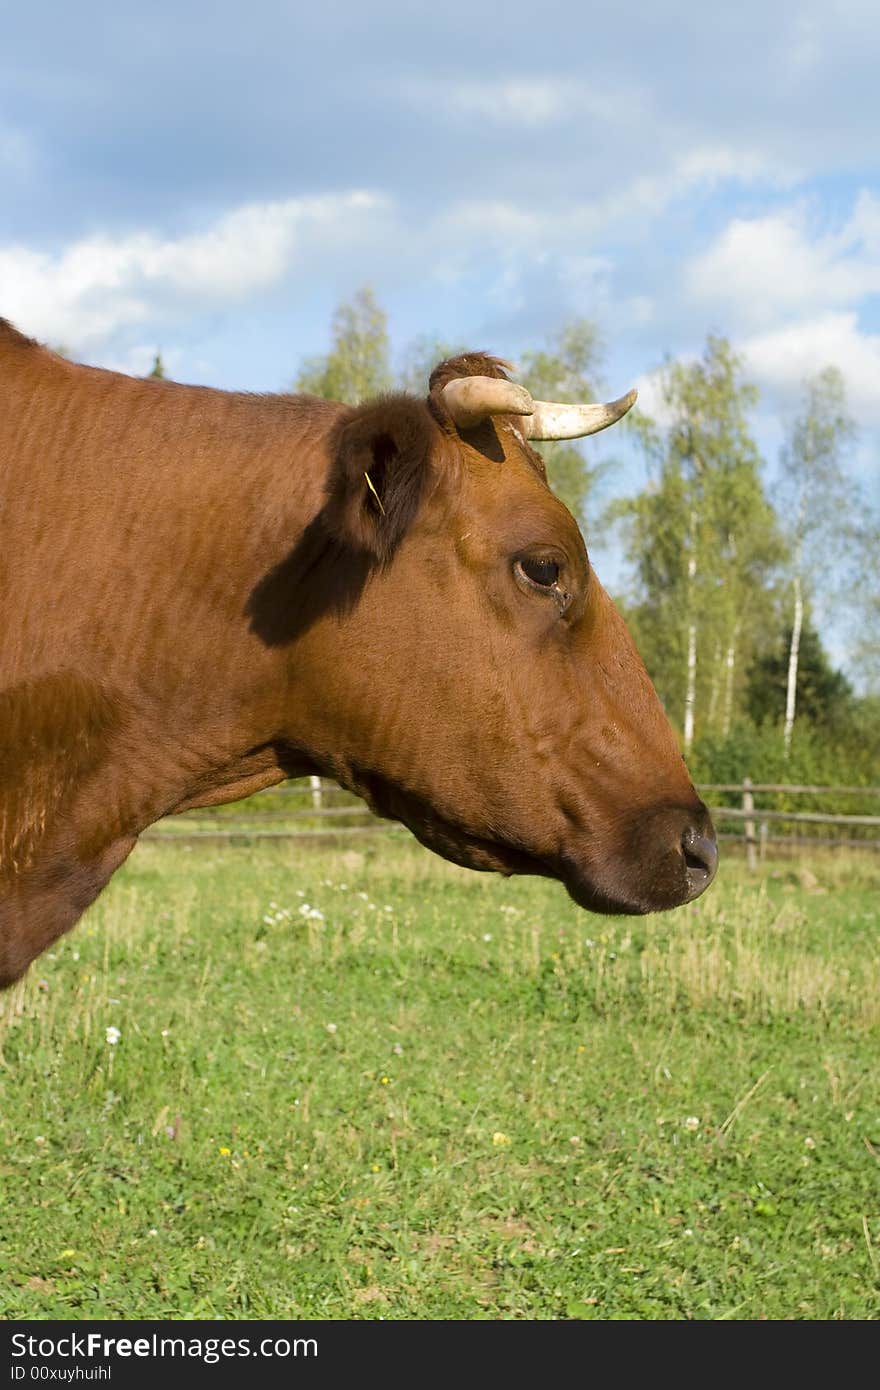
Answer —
(756, 820)
(808, 817)
(785, 787)
(312, 809)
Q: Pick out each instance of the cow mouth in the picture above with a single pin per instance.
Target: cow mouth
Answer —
(666, 890)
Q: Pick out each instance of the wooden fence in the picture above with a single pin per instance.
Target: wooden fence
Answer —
(760, 813)
(750, 813)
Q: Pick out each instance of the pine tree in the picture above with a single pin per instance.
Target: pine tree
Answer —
(823, 693)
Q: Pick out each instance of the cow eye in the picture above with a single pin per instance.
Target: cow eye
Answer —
(545, 573)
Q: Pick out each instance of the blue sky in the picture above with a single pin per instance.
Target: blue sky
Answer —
(212, 179)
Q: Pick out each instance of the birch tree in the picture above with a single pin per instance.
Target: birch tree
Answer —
(865, 609)
(567, 369)
(703, 541)
(356, 367)
(815, 498)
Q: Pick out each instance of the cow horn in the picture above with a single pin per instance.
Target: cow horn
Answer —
(550, 420)
(469, 399)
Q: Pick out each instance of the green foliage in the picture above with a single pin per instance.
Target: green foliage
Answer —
(158, 368)
(357, 365)
(703, 539)
(365, 1084)
(420, 359)
(567, 369)
(816, 505)
(814, 493)
(757, 752)
(863, 598)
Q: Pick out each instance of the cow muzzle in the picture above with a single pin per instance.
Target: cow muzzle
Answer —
(651, 862)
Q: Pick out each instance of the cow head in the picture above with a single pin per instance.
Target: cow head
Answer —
(471, 678)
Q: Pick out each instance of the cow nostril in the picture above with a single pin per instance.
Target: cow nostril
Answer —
(701, 860)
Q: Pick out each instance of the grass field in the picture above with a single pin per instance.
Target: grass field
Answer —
(280, 1082)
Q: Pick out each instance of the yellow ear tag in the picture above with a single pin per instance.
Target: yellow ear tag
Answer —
(375, 493)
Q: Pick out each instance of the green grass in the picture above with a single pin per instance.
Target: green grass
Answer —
(447, 1096)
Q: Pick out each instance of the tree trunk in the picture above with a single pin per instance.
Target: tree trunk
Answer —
(691, 682)
(715, 687)
(730, 664)
(791, 691)
(691, 688)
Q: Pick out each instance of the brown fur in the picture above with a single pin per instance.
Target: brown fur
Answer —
(201, 593)
(379, 470)
(53, 733)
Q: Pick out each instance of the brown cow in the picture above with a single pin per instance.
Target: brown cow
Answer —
(203, 593)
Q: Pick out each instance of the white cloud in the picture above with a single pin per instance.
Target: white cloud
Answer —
(87, 294)
(139, 359)
(651, 399)
(525, 102)
(101, 284)
(786, 294)
(788, 288)
(570, 228)
(766, 268)
(781, 359)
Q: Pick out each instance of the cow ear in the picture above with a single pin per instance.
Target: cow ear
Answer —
(378, 472)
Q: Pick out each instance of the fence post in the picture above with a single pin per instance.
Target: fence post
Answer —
(749, 805)
(317, 793)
